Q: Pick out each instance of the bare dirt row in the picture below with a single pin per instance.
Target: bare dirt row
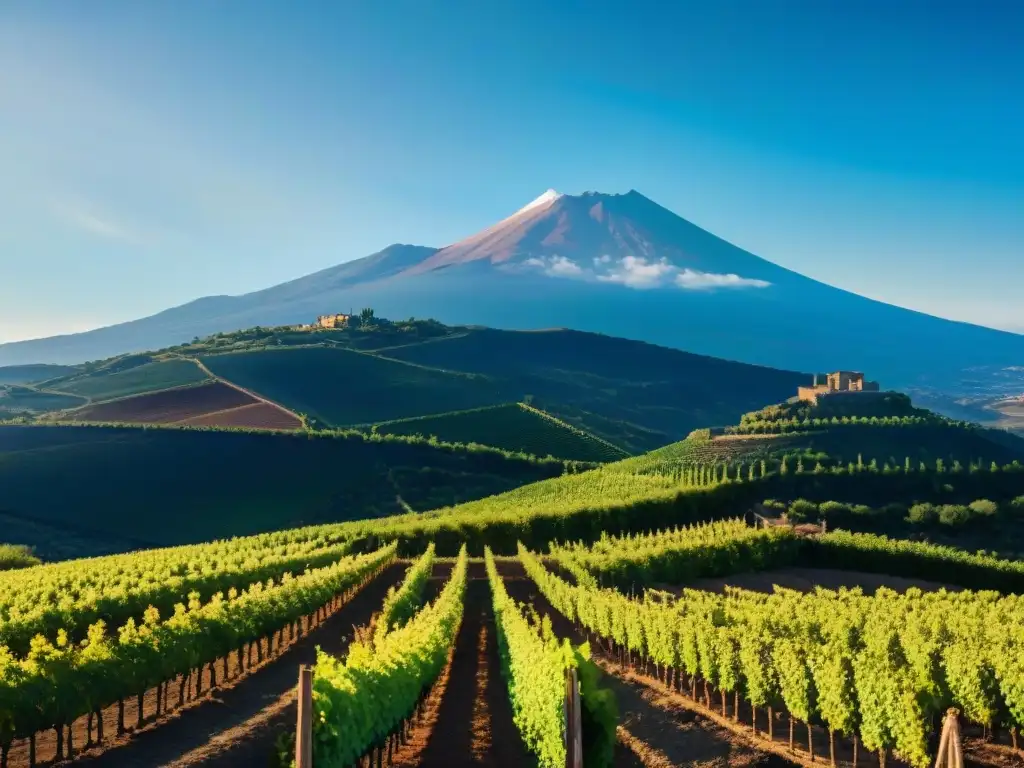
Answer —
(470, 723)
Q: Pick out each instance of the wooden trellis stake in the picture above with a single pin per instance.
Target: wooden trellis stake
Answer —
(573, 723)
(304, 726)
(951, 753)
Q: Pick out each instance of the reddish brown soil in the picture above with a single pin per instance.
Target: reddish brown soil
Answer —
(235, 725)
(806, 579)
(168, 406)
(254, 416)
(469, 717)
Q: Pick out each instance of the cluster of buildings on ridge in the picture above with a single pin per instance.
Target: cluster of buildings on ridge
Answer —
(338, 320)
(838, 384)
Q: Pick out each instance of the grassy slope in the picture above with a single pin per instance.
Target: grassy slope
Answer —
(27, 399)
(29, 374)
(134, 381)
(633, 395)
(342, 387)
(165, 486)
(511, 426)
(641, 396)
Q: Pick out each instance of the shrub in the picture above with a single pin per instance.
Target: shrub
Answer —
(984, 508)
(833, 510)
(862, 509)
(1017, 505)
(954, 514)
(14, 556)
(773, 505)
(922, 514)
(895, 509)
(801, 510)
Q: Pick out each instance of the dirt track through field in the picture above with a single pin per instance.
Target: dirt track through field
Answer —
(658, 732)
(243, 390)
(238, 725)
(470, 722)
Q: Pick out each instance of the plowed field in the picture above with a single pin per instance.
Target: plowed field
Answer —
(255, 416)
(167, 407)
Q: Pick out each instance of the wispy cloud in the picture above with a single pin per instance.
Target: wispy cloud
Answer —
(88, 220)
(700, 281)
(641, 273)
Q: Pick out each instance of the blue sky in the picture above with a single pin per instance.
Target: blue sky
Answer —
(152, 153)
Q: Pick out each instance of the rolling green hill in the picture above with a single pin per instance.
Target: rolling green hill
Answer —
(633, 395)
(111, 383)
(514, 427)
(342, 387)
(163, 486)
(17, 399)
(29, 374)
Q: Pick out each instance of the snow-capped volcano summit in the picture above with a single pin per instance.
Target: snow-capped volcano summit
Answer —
(548, 197)
(625, 239)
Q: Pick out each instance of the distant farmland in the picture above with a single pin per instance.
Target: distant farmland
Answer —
(25, 374)
(214, 404)
(166, 407)
(513, 427)
(17, 399)
(343, 388)
(255, 416)
(134, 381)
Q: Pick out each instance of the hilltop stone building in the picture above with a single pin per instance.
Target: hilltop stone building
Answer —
(332, 321)
(840, 382)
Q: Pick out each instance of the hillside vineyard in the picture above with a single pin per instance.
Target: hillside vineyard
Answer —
(591, 592)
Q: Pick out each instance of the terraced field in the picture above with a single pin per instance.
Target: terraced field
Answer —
(513, 427)
(342, 388)
(164, 374)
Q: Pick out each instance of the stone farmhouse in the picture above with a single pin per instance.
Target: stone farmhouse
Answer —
(332, 321)
(838, 383)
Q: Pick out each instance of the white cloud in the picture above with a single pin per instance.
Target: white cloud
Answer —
(641, 273)
(556, 266)
(693, 280)
(637, 272)
(560, 266)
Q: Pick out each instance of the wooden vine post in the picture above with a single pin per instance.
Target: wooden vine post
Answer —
(573, 723)
(304, 726)
(951, 753)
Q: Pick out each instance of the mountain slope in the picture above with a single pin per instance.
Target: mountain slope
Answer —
(615, 264)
